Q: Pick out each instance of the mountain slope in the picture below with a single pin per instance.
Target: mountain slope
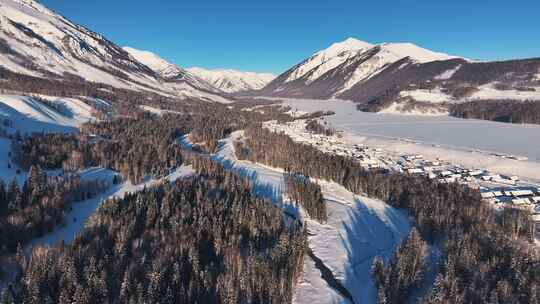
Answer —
(403, 77)
(45, 113)
(232, 81)
(36, 41)
(325, 60)
(333, 71)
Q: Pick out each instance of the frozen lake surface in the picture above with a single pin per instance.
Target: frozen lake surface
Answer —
(448, 132)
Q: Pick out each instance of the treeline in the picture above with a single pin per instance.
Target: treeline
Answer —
(210, 127)
(48, 151)
(486, 255)
(397, 279)
(512, 111)
(144, 146)
(203, 239)
(135, 147)
(316, 114)
(307, 194)
(39, 205)
(315, 127)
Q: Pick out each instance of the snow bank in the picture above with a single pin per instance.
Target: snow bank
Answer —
(397, 108)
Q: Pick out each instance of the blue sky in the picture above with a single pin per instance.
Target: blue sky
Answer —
(271, 36)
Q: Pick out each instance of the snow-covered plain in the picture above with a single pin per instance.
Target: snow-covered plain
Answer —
(462, 141)
(28, 115)
(157, 111)
(358, 230)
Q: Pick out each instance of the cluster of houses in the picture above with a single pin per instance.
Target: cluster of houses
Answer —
(516, 196)
(494, 188)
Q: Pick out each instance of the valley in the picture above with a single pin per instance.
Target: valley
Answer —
(365, 173)
(476, 137)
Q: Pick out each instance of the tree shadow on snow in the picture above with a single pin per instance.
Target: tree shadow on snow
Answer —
(369, 232)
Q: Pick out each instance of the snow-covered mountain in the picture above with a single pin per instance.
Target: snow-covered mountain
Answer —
(232, 81)
(164, 68)
(169, 71)
(334, 70)
(403, 77)
(326, 60)
(38, 42)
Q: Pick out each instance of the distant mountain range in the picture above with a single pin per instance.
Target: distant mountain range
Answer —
(404, 78)
(228, 81)
(233, 81)
(388, 77)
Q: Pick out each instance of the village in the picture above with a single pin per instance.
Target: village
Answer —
(499, 190)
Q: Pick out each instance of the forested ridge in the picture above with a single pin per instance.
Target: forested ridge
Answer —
(203, 239)
(488, 258)
(512, 111)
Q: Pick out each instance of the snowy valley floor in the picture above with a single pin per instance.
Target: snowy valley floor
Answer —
(358, 230)
(466, 142)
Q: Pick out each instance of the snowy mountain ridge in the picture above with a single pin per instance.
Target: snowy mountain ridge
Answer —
(37, 42)
(339, 52)
(232, 81)
(169, 71)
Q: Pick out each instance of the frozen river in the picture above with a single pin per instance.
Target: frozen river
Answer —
(448, 132)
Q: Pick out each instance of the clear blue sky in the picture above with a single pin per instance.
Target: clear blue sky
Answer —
(272, 35)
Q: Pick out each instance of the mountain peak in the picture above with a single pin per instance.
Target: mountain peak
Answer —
(349, 44)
